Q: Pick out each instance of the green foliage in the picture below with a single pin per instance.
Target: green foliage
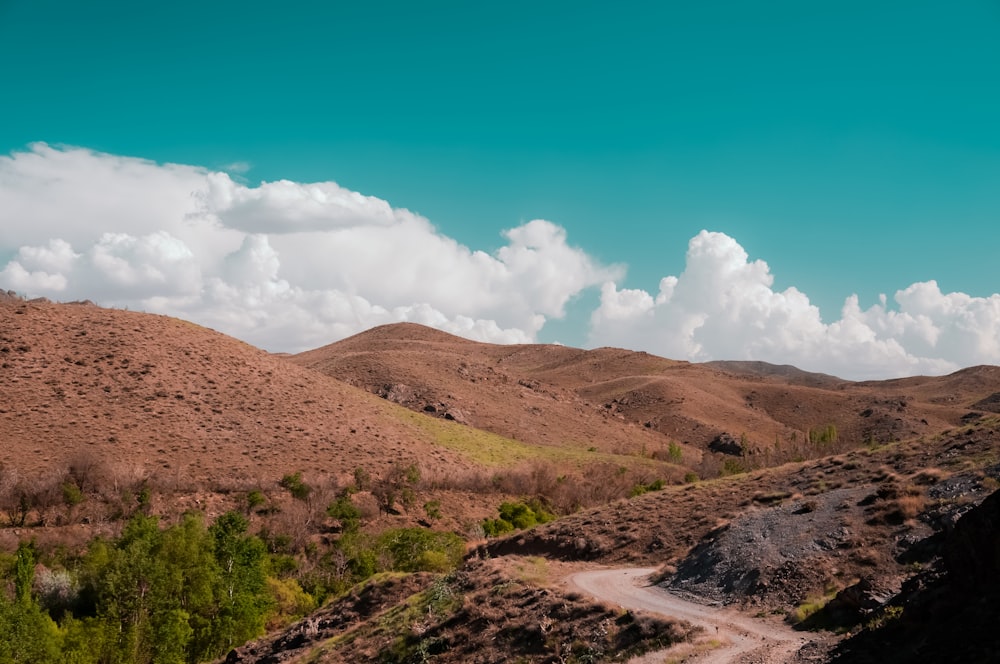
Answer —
(253, 500)
(732, 467)
(344, 510)
(517, 516)
(245, 602)
(152, 596)
(27, 633)
(421, 549)
(674, 453)
(691, 477)
(295, 486)
(24, 572)
(71, 494)
(362, 479)
(432, 508)
(827, 434)
(290, 600)
(362, 559)
(640, 488)
(885, 616)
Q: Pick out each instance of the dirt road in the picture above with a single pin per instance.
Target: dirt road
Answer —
(744, 639)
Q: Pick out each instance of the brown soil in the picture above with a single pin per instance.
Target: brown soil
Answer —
(157, 395)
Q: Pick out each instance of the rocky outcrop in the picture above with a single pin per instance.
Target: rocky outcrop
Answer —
(724, 443)
(990, 403)
(948, 613)
(972, 552)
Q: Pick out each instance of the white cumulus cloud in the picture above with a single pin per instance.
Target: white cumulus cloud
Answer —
(724, 306)
(290, 266)
(282, 265)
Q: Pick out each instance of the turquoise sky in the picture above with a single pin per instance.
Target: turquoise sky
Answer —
(854, 146)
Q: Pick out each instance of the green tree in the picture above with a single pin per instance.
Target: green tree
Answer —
(344, 510)
(27, 633)
(397, 484)
(244, 602)
(432, 508)
(421, 549)
(296, 486)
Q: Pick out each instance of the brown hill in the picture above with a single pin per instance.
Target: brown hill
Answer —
(624, 401)
(514, 391)
(152, 395)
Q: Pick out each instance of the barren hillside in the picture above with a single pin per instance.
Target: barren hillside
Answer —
(181, 401)
(620, 400)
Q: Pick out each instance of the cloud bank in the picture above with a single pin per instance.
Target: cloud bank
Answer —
(290, 266)
(283, 265)
(723, 306)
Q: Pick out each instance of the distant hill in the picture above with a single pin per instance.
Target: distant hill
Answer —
(787, 371)
(625, 400)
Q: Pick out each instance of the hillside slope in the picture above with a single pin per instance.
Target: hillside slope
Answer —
(620, 400)
(166, 397)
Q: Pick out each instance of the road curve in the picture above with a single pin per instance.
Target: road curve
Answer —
(740, 634)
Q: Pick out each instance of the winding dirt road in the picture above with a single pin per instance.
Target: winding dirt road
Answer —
(744, 638)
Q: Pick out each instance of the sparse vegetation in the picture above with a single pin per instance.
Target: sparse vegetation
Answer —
(295, 486)
(517, 516)
(732, 467)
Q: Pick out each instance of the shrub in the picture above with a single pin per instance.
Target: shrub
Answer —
(398, 483)
(641, 488)
(421, 549)
(517, 516)
(731, 467)
(253, 500)
(432, 508)
(362, 479)
(71, 493)
(295, 486)
(344, 510)
(290, 600)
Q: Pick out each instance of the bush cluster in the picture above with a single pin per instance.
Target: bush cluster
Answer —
(517, 516)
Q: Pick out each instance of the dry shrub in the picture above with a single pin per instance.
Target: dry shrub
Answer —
(907, 507)
(929, 476)
(87, 471)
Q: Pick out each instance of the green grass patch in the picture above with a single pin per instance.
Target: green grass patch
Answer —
(493, 450)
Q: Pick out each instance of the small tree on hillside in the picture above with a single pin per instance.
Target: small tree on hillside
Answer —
(397, 484)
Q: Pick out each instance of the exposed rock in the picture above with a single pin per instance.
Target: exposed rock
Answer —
(990, 403)
(972, 553)
(773, 552)
(862, 598)
(947, 613)
(727, 444)
(398, 393)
